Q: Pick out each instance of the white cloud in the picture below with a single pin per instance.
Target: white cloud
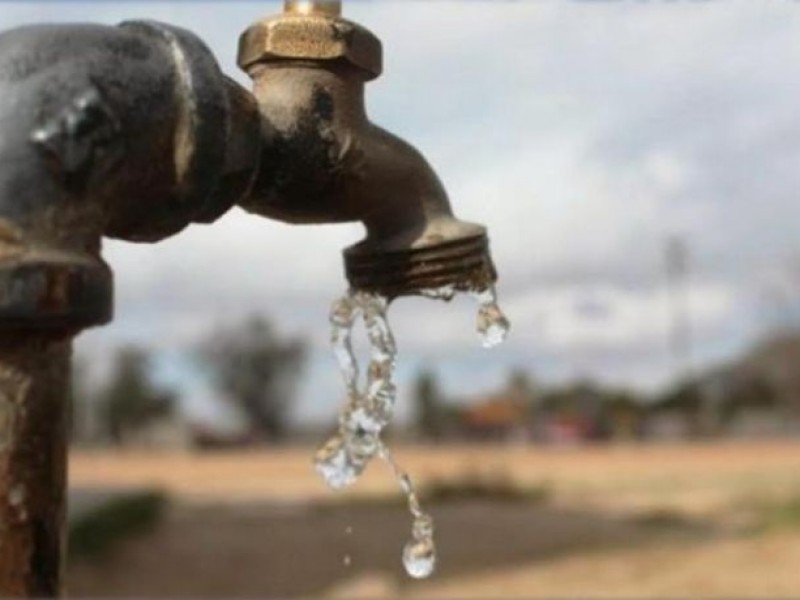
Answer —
(582, 133)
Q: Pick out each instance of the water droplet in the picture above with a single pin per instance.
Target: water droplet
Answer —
(419, 558)
(446, 292)
(423, 527)
(361, 419)
(347, 560)
(492, 325)
(362, 446)
(342, 316)
(343, 312)
(334, 463)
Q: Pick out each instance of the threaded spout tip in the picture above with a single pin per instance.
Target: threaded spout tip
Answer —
(463, 264)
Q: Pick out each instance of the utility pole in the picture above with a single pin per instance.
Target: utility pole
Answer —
(680, 330)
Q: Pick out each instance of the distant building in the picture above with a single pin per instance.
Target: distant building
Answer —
(776, 360)
(166, 433)
(755, 395)
(503, 416)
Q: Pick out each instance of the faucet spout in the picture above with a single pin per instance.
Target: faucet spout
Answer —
(323, 161)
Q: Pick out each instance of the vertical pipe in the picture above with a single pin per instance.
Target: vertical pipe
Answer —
(34, 383)
(677, 259)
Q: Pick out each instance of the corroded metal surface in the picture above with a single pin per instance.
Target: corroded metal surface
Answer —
(130, 132)
(34, 378)
(46, 293)
(323, 161)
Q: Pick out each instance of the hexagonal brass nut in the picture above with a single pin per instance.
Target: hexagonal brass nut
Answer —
(311, 37)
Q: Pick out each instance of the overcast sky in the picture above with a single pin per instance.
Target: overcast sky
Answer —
(584, 134)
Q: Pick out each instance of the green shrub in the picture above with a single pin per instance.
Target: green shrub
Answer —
(93, 534)
(780, 515)
(664, 518)
(475, 486)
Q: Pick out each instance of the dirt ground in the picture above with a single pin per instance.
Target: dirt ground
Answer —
(624, 521)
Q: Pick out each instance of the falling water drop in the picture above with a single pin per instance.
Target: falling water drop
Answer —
(419, 558)
(493, 326)
(334, 463)
(343, 313)
(446, 292)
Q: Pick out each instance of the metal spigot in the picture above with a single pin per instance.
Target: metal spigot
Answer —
(323, 161)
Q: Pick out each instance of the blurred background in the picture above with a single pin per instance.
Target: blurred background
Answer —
(637, 435)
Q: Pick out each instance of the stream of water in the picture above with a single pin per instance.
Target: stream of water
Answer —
(345, 455)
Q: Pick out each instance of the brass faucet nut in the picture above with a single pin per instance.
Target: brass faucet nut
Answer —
(311, 37)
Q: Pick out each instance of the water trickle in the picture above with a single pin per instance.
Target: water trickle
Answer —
(419, 554)
(446, 292)
(345, 455)
(492, 325)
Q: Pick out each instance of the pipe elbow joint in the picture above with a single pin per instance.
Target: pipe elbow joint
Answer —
(130, 132)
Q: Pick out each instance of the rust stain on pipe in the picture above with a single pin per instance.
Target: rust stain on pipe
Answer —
(34, 379)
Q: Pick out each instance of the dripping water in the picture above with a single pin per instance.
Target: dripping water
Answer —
(492, 324)
(345, 455)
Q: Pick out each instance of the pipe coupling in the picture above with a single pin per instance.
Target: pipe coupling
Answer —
(313, 36)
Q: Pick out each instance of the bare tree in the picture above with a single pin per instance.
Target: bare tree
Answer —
(429, 410)
(131, 400)
(256, 370)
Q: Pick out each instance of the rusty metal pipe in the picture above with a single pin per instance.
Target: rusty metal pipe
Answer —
(34, 379)
(130, 132)
(323, 161)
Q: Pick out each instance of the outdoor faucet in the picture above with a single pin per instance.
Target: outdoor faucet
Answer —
(133, 132)
(323, 161)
